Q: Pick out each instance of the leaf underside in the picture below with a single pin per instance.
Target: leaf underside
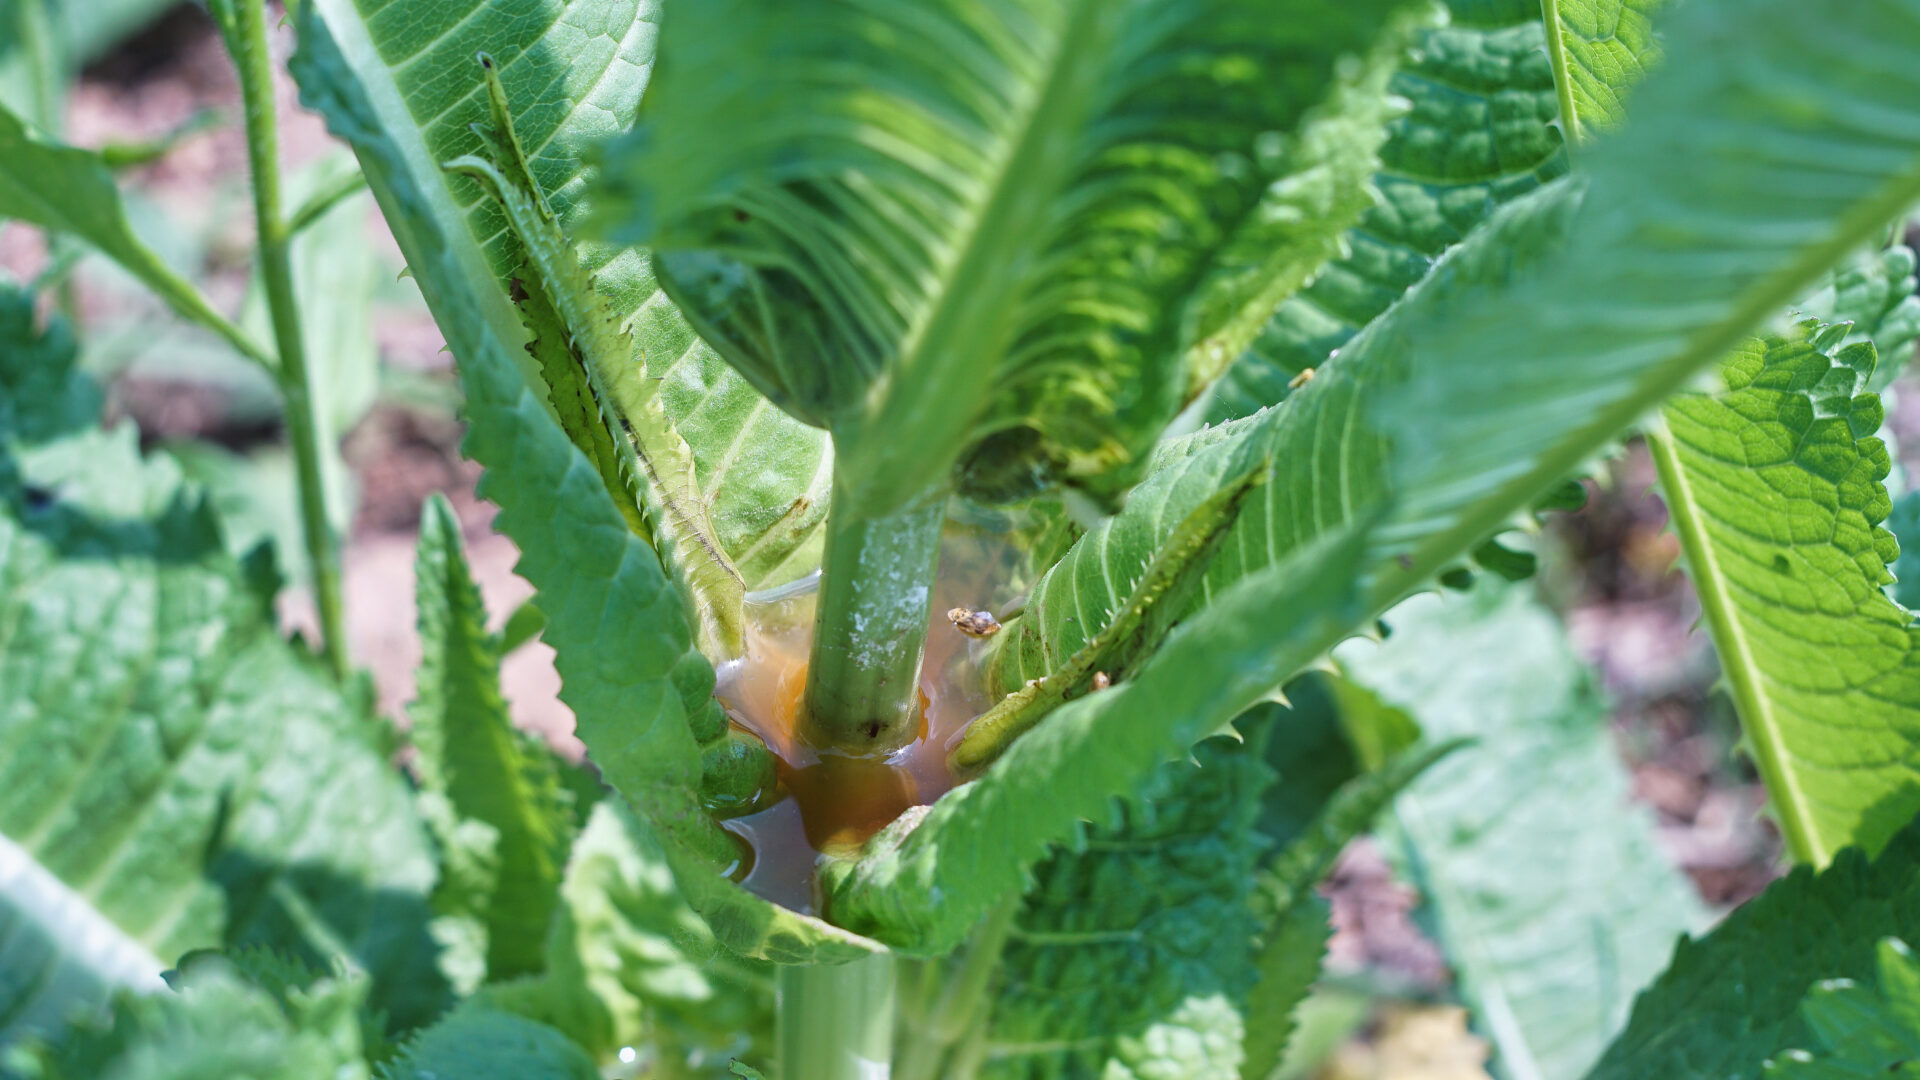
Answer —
(1775, 485)
(910, 191)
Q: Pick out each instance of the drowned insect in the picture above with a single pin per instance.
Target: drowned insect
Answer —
(974, 624)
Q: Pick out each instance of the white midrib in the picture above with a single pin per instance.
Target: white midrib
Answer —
(71, 922)
(1758, 716)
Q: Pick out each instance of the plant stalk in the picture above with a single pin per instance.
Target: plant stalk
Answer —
(47, 62)
(1570, 133)
(255, 63)
(960, 1010)
(870, 630)
(1790, 806)
(836, 1021)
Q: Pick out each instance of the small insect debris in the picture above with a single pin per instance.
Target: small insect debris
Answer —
(1101, 681)
(974, 624)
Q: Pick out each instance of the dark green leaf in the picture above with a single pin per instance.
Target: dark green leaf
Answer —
(477, 1043)
(1904, 523)
(1866, 1031)
(1733, 998)
(1479, 133)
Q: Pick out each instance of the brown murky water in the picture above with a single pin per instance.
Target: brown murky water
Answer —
(834, 804)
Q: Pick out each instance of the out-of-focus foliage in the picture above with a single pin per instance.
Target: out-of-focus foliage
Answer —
(252, 1015)
(1548, 889)
(150, 808)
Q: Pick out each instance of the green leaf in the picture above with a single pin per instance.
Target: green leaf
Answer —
(606, 403)
(1733, 998)
(1296, 927)
(1552, 898)
(1873, 290)
(146, 807)
(1288, 963)
(1600, 48)
(628, 959)
(71, 191)
(1681, 246)
(1491, 409)
(1775, 489)
(912, 191)
(477, 1043)
(472, 756)
(973, 846)
(1328, 462)
(1904, 523)
(628, 667)
(1866, 1031)
(1479, 132)
(1674, 252)
(575, 72)
(1131, 955)
(217, 1021)
(1037, 684)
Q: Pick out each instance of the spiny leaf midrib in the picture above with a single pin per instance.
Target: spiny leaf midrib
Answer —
(350, 34)
(1738, 664)
(1772, 294)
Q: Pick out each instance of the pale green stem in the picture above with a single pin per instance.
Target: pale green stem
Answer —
(255, 64)
(328, 197)
(1562, 85)
(960, 1009)
(870, 630)
(47, 72)
(836, 1020)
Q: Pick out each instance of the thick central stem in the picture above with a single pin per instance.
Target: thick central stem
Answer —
(876, 586)
(836, 1021)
